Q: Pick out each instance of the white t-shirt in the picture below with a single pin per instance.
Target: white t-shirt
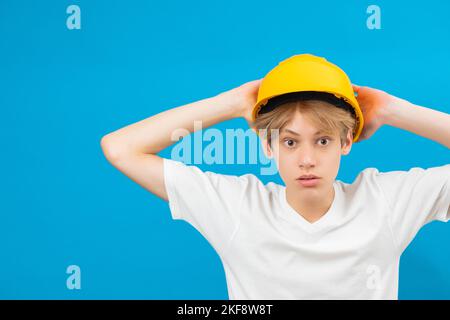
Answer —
(269, 251)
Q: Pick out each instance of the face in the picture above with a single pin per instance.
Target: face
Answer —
(301, 150)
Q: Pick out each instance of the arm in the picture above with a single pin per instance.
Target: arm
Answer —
(381, 108)
(425, 122)
(132, 149)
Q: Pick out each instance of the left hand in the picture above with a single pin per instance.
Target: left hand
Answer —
(374, 104)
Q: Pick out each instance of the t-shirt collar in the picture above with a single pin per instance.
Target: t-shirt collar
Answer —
(327, 219)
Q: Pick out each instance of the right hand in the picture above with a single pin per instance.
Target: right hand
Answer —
(243, 99)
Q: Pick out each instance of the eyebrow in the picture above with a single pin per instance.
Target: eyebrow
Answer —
(297, 134)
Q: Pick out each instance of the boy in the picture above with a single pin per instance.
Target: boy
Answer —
(315, 237)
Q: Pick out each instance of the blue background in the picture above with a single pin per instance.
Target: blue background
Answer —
(61, 90)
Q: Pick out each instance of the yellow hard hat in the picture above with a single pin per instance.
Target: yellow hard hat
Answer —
(303, 77)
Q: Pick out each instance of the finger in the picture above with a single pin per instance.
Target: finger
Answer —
(356, 87)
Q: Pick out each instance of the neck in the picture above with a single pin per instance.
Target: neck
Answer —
(312, 208)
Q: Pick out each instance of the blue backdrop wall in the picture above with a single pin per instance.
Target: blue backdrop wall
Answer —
(62, 89)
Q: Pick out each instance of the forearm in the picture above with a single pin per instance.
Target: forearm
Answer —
(153, 134)
(428, 123)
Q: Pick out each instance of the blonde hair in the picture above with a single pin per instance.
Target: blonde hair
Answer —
(325, 116)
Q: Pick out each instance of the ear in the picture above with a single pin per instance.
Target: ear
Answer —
(264, 142)
(266, 149)
(348, 143)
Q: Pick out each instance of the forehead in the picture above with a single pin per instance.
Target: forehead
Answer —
(301, 125)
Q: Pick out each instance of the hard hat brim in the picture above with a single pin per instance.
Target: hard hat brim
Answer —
(306, 95)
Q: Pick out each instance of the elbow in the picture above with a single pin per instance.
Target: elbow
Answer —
(111, 149)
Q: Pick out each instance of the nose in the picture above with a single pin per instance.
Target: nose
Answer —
(306, 156)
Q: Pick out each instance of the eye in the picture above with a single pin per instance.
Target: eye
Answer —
(289, 145)
(324, 138)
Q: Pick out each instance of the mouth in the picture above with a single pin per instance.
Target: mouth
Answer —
(308, 177)
(308, 181)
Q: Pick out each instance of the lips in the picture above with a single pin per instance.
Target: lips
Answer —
(308, 181)
(308, 177)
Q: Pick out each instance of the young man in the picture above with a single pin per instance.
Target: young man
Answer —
(310, 239)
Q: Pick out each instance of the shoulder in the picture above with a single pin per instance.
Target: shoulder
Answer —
(364, 177)
(179, 171)
(390, 182)
(364, 186)
(413, 174)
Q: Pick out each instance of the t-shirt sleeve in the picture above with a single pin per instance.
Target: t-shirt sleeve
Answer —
(415, 197)
(209, 201)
